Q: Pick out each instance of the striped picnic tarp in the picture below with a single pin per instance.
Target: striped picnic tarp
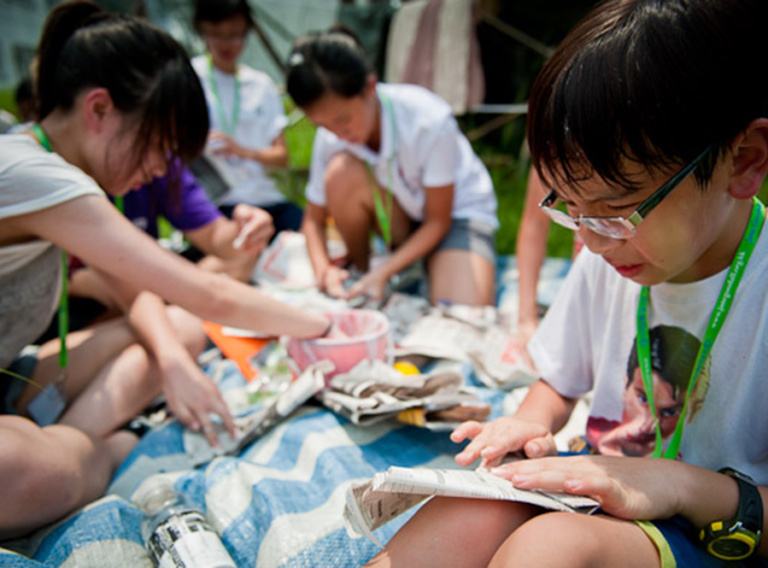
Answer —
(277, 504)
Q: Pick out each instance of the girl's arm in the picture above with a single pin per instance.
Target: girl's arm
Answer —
(190, 393)
(437, 222)
(247, 234)
(92, 229)
(531, 249)
(274, 156)
(329, 278)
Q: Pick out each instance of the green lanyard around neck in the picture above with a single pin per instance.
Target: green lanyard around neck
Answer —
(716, 320)
(42, 139)
(227, 126)
(384, 214)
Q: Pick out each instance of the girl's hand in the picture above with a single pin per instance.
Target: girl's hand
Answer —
(371, 284)
(192, 397)
(255, 228)
(628, 488)
(492, 441)
(332, 281)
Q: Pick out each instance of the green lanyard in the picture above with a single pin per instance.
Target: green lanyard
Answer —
(384, 215)
(227, 126)
(43, 140)
(716, 320)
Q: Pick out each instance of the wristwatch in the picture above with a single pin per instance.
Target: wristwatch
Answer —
(739, 536)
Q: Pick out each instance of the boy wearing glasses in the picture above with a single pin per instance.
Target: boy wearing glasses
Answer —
(649, 125)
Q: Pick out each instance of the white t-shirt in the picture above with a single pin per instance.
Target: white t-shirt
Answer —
(31, 179)
(421, 146)
(261, 119)
(586, 338)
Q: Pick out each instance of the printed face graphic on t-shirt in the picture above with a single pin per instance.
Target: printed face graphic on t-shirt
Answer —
(673, 354)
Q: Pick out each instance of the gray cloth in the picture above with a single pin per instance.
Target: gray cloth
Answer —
(28, 301)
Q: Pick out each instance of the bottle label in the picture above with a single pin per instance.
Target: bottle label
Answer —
(187, 540)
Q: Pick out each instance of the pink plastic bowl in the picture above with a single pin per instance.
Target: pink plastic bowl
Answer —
(357, 335)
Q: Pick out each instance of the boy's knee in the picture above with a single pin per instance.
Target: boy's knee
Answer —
(577, 543)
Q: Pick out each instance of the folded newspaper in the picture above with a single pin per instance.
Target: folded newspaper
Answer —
(374, 391)
(389, 494)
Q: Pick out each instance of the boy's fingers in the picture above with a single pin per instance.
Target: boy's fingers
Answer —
(465, 430)
(540, 447)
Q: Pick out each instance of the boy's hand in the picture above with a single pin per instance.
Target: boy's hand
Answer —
(628, 488)
(494, 440)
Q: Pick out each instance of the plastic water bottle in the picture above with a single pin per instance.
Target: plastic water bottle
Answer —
(176, 532)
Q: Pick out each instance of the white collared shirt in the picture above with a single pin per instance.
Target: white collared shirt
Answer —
(426, 149)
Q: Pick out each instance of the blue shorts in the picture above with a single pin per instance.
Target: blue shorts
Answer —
(12, 387)
(677, 537)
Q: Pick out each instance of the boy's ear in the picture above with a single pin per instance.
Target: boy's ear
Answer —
(750, 160)
(98, 108)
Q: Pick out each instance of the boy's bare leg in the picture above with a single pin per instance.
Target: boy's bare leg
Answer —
(49, 472)
(460, 533)
(568, 540)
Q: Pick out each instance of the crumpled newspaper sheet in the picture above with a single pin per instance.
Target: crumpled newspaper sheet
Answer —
(476, 335)
(373, 391)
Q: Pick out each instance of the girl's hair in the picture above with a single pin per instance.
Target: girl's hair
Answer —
(652, 81)
(215, 11)
(326, 62)
(147, 74)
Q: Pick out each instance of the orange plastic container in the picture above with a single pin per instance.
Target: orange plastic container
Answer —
(357, 335)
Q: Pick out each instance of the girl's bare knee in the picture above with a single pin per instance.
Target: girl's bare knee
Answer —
(189, 327)
(344, 174)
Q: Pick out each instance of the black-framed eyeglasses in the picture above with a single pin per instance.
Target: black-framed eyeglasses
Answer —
(619, 227)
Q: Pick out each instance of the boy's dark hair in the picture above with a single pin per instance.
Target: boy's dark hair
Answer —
(147, 74)
(673, 355)
(216, 11)
(326, 62)
(24, 90)
(653, 81)
(24, 97)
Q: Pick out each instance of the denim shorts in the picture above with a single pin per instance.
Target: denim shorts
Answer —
(472, 235)
(12, 387)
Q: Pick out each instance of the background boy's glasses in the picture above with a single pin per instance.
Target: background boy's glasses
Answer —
(619, 227)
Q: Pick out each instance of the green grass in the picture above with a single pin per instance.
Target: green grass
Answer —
(8, 101)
